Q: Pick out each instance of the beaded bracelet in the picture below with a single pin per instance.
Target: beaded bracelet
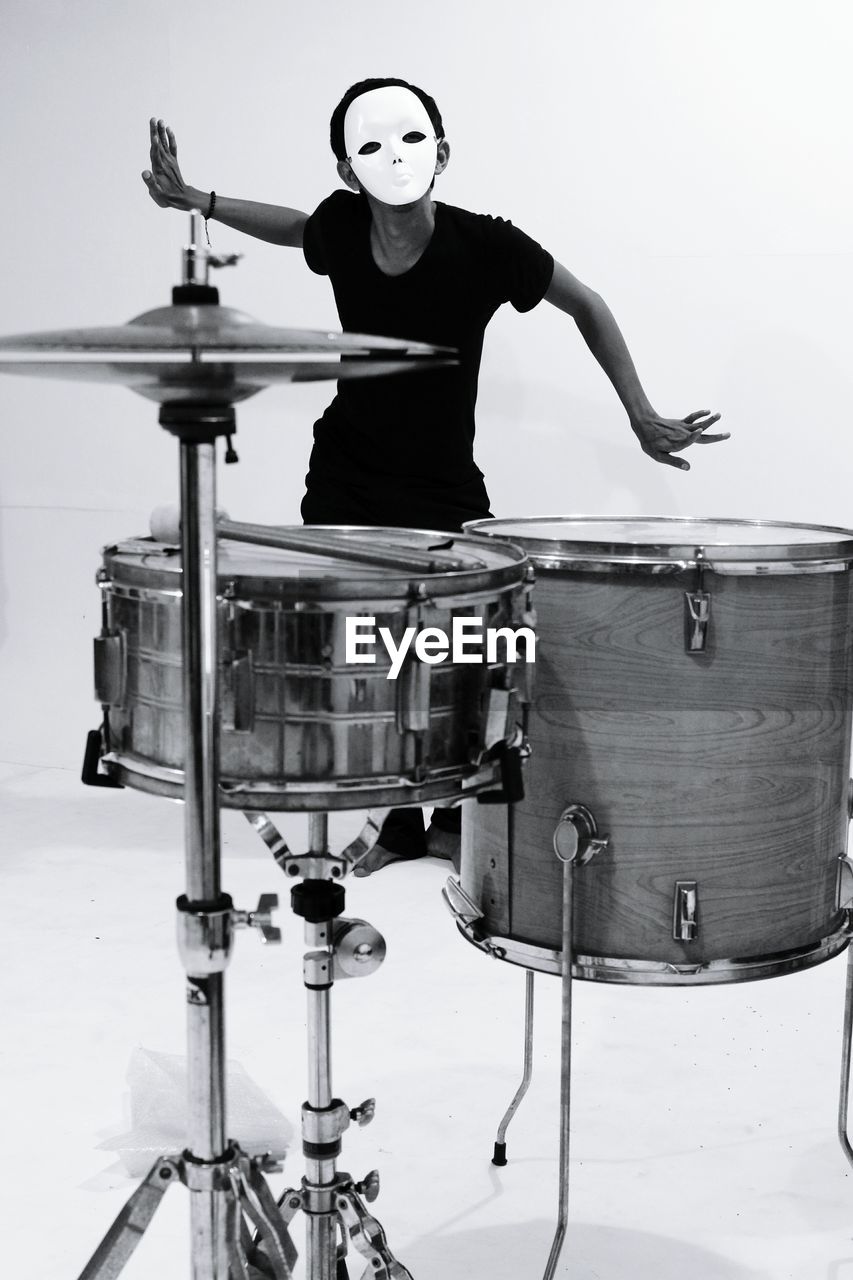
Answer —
(210, 208)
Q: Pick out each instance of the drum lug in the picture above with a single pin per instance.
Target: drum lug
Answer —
(844, 889)
(111, 669)
(511, 760)
(685, 911)
(496, 722)
(238, 693)
(496, 716)
(413, 682)
(414, 688)
(529, 617)
(413, 697)
(697, 610)
(576, 837)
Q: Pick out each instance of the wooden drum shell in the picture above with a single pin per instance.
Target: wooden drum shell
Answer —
(727, 768)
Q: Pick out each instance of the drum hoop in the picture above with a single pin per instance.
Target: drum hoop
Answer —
(135, 577)
(445, 787)
(669, 568)
(657, 558)
(657, 973)
(238, 594)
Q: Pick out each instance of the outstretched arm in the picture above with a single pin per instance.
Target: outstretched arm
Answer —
(168, 189)
(659, 437)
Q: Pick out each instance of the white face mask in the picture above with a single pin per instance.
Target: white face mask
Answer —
(391, 144)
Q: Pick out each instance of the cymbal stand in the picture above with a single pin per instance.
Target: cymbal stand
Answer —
(333, 1203)
(223, 1182)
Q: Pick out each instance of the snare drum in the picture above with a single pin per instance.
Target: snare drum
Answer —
(302, 728)
(693, 691)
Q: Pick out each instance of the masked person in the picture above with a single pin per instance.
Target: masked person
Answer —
(399, 451)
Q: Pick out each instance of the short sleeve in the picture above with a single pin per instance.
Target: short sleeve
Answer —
(522, 268)
(313, 240)
(329, 233)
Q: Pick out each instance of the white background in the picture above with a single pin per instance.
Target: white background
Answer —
(689, 161)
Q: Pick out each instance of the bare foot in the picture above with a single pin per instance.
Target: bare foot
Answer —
(378, 858)
(443, 844)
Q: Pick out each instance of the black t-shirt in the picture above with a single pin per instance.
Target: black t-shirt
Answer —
(405, 442)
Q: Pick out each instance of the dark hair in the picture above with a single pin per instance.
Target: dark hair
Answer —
(336, 127)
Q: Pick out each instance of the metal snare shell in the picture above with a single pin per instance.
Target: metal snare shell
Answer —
(301, 728)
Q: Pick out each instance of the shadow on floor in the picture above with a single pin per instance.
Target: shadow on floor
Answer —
(519, 1251)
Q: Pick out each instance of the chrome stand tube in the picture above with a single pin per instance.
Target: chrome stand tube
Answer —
(319, 1048)
(201, 710)
(499, 1157)
(318, 833)
(320, 1174)
(565, 1072)
(846, 1042)
(331, 1201)
(320, 1166)
(576, 842)
(209, 1210)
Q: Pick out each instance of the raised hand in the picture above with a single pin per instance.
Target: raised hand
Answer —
(164, 180)
(662, 437)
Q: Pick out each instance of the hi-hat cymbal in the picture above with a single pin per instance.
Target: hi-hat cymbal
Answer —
(203, 353)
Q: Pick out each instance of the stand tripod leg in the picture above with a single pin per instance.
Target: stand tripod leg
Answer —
(108, 1260)
(499, 1157)
(846, 1043)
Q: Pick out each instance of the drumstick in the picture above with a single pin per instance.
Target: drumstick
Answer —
(165, 526)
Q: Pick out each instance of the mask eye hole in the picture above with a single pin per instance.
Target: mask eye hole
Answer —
(414, 136)
(368, 149)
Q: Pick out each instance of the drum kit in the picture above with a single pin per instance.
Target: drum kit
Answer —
(665, 803)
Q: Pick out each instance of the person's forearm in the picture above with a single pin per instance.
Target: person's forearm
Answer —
(271, 222)
(602, 335)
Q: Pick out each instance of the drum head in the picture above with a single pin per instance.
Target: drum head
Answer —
(273, 572)
(594, 542)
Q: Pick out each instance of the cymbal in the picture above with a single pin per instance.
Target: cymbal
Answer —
(202, 353)
(226, 383)
(209, 328)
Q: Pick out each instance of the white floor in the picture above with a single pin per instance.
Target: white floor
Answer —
(703, 1120)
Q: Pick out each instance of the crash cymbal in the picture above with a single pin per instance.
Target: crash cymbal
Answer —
(209, 353)
(171, 381)
(199, 329)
